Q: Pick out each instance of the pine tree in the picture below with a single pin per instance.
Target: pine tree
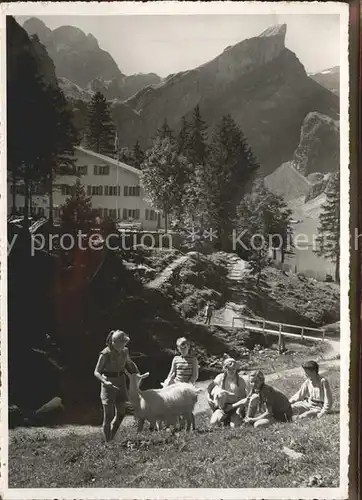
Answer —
(138, 155)
(230, 169)
(76, 213)
(165, 131)
(100, 128)
(60, 138)
(328, 239)
(35, 152)
(183, 138)
(164, 175)
(196, 146)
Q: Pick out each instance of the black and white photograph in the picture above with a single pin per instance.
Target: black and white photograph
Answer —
(175, 317)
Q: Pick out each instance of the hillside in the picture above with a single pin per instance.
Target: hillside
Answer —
(258, 81)
(329, 78)
(287, 182)
(79, 60)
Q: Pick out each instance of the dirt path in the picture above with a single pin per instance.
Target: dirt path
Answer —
(167, 272)
(237, 271)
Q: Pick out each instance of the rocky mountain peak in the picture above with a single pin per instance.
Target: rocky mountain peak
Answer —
(276, 30)
(35, 26)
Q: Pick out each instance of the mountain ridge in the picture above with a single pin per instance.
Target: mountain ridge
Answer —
(79, 59)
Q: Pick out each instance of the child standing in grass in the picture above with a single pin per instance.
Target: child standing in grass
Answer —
(314, 398)
(112, 361)
(184, 367)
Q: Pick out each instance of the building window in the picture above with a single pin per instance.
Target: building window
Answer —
(106, 190)
(82, 169)
(105, 212)
(40, 190)
(113, 213)
(131, 213)
(66, 190)
(97, 190)
(19, 189)
(131, 191)
(150, 214)
(101, 170)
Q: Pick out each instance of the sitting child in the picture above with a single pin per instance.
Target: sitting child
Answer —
(184, 367)
(277, 406)
(227, 388)
(314, 398)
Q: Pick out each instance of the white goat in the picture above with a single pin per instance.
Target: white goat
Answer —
(166, 404)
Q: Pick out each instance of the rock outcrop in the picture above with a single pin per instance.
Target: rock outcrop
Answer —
(318, 187)
(318, 149)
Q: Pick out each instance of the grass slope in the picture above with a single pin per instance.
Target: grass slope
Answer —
(221, 458)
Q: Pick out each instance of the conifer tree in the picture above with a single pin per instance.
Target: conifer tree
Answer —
(196, 147)
(100, 127)
(138, 155)
(40, 135)
(165, 131)
(328, 239)
(183, 138)
(230, 169)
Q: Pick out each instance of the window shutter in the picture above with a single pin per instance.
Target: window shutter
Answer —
(125, 192)
(106, 188)
(119, 190)
(125, 213)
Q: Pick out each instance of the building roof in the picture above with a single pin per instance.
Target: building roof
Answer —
(112, 161)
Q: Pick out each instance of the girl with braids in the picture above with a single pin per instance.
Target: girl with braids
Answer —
(262, 395)
(227, 388)
(112, 361)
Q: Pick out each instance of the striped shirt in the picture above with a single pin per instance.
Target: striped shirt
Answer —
(183, 368)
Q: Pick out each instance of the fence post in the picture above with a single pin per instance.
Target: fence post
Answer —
(323, 334)
(302, 333)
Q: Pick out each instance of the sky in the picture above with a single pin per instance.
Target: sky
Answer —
(166, 44)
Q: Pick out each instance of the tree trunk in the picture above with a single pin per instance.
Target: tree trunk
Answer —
(337, 277)
(282, 253)
(51, 201)
(13, 183)
(30, 200)
(26, 198)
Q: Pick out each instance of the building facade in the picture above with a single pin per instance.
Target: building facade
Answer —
(114, 188)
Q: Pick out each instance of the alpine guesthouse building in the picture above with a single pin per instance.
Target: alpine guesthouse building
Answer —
(114, 188)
